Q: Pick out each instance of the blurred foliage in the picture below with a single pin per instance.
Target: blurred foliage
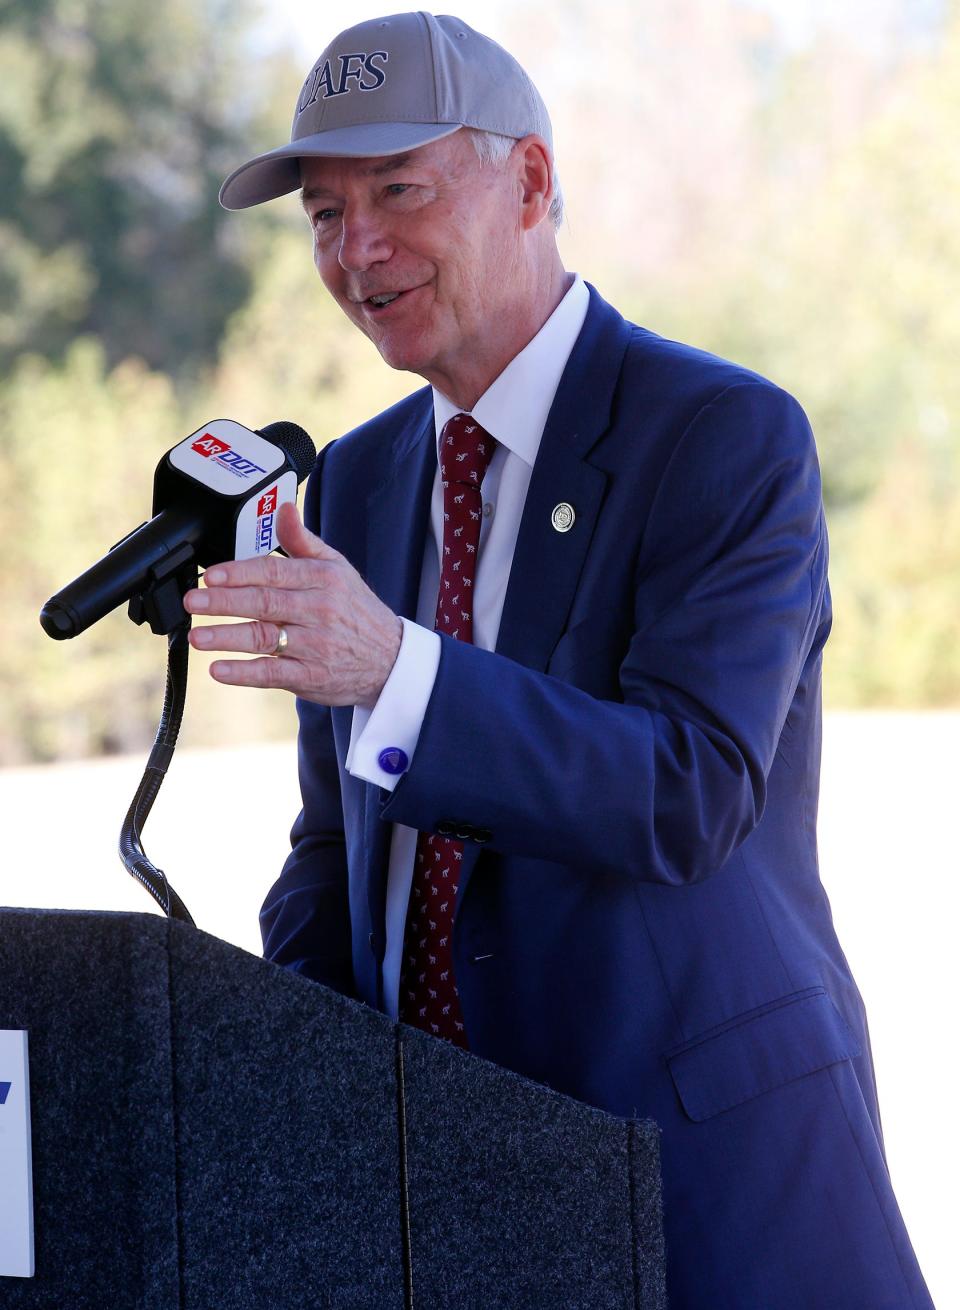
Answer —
(793, 210)
(78, 449)
(896, 588)
(842, 291)
(117, 124)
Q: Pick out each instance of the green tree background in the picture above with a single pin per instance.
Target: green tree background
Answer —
(793, 208)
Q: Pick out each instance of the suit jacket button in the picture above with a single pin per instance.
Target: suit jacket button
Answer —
(481, 835)
(445, 828)
(464, 832)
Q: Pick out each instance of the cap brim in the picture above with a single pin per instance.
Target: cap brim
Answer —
(278, 172)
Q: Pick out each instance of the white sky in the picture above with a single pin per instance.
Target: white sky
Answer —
(309, 26)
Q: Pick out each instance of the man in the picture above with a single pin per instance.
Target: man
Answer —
(559, 696)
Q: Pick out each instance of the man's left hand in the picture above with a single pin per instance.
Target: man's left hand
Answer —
(342, 641)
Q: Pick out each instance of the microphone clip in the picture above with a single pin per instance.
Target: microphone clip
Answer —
(160, 603)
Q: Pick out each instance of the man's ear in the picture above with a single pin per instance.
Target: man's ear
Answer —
(536, 179)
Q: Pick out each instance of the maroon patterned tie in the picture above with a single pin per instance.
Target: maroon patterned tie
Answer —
(429, 998)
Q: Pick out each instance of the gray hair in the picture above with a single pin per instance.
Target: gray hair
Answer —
(494, 148)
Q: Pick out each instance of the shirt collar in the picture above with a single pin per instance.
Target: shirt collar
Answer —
(515, 406)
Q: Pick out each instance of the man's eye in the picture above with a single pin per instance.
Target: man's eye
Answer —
(324, 215)
(397, 188)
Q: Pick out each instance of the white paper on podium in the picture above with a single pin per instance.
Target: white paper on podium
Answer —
(16, 1166)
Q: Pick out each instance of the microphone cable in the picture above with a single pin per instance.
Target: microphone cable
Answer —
(134, 857)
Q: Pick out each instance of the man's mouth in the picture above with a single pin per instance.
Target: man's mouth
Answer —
(382, 300)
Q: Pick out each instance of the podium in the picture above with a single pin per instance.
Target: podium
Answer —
(212, 1132)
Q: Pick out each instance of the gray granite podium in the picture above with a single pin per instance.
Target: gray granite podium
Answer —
(211, 1132)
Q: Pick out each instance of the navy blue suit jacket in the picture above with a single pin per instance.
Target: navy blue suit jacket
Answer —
(640, 921)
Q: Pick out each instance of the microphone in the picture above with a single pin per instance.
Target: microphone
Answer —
(215, 497)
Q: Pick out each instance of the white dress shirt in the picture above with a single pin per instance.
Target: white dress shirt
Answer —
(514, 410)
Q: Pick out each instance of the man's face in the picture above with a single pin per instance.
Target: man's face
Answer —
(435, 230)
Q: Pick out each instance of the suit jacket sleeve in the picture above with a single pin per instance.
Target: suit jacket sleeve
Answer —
(305, 920)
(729, 597)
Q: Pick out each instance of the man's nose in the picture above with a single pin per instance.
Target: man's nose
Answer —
(363, 241)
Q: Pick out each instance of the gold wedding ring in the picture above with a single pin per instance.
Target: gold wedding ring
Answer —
(281, 645)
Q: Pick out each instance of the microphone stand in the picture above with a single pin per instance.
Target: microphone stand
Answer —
(160, 604)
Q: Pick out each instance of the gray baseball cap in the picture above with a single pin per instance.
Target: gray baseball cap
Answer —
(389, 85)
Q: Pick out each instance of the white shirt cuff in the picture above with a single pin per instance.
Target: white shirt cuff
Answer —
(394, 723)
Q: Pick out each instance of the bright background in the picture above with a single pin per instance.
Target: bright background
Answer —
(775, 180)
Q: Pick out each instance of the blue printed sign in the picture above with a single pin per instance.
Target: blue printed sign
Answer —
(16, 1166)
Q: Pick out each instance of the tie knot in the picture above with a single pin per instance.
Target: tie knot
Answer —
(466, 450)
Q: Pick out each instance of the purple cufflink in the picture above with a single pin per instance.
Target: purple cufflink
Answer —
(393, 760)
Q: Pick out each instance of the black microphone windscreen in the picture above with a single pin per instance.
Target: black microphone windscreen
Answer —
(295, 444)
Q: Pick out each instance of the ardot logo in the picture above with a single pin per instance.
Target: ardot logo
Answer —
(266, 508)
(208, 445)
(223, 454)
(267, 502)
(4, 1092)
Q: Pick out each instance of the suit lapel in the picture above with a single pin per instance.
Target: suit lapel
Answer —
(398, 511)
(547, 562)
